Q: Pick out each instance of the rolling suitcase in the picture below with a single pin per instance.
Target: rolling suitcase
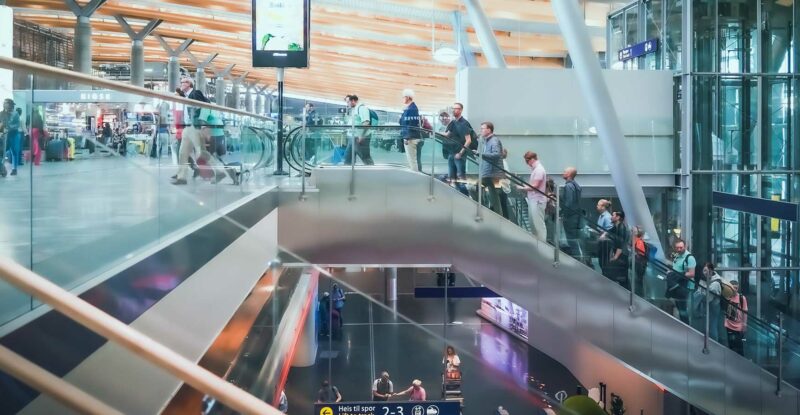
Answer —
(55, 150)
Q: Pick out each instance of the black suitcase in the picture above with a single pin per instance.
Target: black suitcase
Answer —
(54, 150)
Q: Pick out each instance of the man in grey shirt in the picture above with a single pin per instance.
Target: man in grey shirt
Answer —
(491, 163)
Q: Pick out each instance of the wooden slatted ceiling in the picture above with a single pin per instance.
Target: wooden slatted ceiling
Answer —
(372, 55)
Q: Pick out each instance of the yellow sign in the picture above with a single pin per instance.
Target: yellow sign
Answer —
(326, 411)
(775, 224)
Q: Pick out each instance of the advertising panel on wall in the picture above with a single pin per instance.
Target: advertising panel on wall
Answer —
(505, 314)
(280, 33)
(6, 50)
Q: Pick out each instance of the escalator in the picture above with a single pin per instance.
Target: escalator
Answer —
(419, 218)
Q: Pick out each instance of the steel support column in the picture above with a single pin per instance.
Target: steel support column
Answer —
(248, 96)
(200, 66)
(82, 45)
(466, 57)
(595, 91)
(236, 91)
(173, 63)
(485, 34)
(687, 120)
(279, 166)
(137, 47)
(221, 86)
(259, 101)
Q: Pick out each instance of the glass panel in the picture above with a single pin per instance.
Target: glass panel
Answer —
(103, 167)
(16, 131)
(617, 39)
(654, 30)
(632, 33)
(737, 34)
(672, 38)
(704, 92)
(777, 35)
(777, 137)
(704, 17)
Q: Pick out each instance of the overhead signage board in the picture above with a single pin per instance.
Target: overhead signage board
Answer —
(389, 408)
(639, 49)
(85, 96)
(280, 33)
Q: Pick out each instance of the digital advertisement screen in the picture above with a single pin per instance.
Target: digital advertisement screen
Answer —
(505, 314)
(280, 33)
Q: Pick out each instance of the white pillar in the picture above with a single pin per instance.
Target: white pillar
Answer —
(305, 353)
(485, 34)
(391, 283)
(6, 51)
(598, 99)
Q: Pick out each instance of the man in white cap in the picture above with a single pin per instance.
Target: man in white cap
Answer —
(409, 130)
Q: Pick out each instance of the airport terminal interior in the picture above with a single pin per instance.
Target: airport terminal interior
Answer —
(400, 207)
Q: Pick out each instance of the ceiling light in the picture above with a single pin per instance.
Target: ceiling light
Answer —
(445, 54)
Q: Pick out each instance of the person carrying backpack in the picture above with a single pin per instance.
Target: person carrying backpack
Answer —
(736, 319)
(720, 291)
(680, 280)
(641, 258)
(360, 115)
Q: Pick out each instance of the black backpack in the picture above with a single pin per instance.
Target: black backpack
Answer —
(473, 142)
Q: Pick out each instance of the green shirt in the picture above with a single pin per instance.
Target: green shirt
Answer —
(210, 119)
(683, 263)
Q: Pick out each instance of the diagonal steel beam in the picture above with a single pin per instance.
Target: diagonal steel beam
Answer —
(224, 72)
(86, 10)
(174, 52)
(485, 34)
(142, 34)
(205, 63)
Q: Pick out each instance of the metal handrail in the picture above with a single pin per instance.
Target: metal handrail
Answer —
(77, 77)
(52, 385)
(469, 155)
(140, 344)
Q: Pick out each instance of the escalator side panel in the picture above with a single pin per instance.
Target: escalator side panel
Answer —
(509, 261)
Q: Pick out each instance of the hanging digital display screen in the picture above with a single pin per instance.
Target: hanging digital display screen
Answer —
(280, 33)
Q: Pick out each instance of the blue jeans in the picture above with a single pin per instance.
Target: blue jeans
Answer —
(457, 167)
(458, 170)
(15, 148)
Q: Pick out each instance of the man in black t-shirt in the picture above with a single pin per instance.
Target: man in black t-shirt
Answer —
(460, 133)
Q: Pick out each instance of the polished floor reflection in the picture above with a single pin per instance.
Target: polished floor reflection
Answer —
(406, 339)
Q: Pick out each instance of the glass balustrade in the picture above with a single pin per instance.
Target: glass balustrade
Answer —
(570, 232)
(96, 175)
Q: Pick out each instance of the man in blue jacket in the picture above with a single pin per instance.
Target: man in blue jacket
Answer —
(409, 130)
(491, 165)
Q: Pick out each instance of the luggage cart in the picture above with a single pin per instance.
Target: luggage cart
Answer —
(451, 386)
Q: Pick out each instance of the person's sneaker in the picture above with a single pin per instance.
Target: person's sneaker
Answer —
(13, 172)
(179, 182)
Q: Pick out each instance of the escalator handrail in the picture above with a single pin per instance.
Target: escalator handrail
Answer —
(515, 179)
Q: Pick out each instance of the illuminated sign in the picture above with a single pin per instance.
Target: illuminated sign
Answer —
(389, 408)
(639, 49)
(280, 33)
